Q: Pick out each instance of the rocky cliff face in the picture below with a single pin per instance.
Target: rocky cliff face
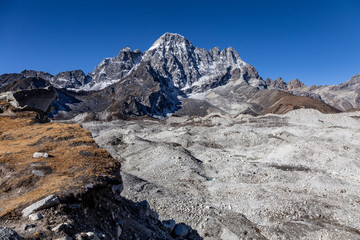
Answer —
(112, 70)
(345, 96)
(70, 79)
(174, 58)
(295, 84)
(194, 69)
(11, 78)
(279, 83)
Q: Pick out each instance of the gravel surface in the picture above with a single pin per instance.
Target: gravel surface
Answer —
(292, 176)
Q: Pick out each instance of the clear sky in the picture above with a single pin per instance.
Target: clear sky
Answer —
(316, 41)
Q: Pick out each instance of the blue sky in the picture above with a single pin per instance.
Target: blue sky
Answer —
(316, 41)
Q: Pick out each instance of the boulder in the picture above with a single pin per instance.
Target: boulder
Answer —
(9, 234)
(60, 227)
(169, 225)
(47, 202)
(35, 216)
(181, 230)
(117, 189)
(39, 154)
(34, 99)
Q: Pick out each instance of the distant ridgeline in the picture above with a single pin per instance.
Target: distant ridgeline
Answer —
(173, 74)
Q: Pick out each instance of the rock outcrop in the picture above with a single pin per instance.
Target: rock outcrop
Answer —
(38, 100)
(111, 70)
(345, 96)
(295, 84)
(279, 83)
(70, 79)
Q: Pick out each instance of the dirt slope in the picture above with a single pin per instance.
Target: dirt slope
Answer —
(75, 161)
(283, 102)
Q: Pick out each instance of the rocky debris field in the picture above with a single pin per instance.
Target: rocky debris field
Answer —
(56, 183)
(291, 176)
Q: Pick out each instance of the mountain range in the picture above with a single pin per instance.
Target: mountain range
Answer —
(174, 77)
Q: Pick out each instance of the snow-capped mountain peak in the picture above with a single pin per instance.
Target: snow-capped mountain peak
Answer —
(171, 41)
(173, 57)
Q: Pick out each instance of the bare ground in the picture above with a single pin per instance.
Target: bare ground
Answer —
(294, 176)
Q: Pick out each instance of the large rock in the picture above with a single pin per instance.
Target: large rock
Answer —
(47, 202)
(9, 234)
(35, 99)
(181, 230)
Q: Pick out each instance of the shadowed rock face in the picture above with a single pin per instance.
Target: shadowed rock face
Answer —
(114, 69)
(143, 92)
(38, 99)
(34, 99)
(26, 84)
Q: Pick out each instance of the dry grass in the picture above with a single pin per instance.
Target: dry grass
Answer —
(75, 160)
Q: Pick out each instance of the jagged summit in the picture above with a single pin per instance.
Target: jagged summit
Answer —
(171, 40)
(279, 83)
(295, 84)
(174, 58)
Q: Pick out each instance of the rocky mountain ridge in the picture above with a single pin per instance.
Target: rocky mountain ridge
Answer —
(173, 57)
(166, 77)
(279, 83)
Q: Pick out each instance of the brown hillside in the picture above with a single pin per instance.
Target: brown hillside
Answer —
(284, 102)
(75, 161)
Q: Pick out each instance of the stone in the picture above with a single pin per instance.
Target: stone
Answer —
(92, 235)
(181, 230)
(35, 216)
(144, 208)
(60, 227)
(79, 236)
(169, 225)
(39, 154)
(47, 202)
(117, 189)
(9, 234)
(87, 235)
(37, 173)
(118, 231)
(29, 227)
